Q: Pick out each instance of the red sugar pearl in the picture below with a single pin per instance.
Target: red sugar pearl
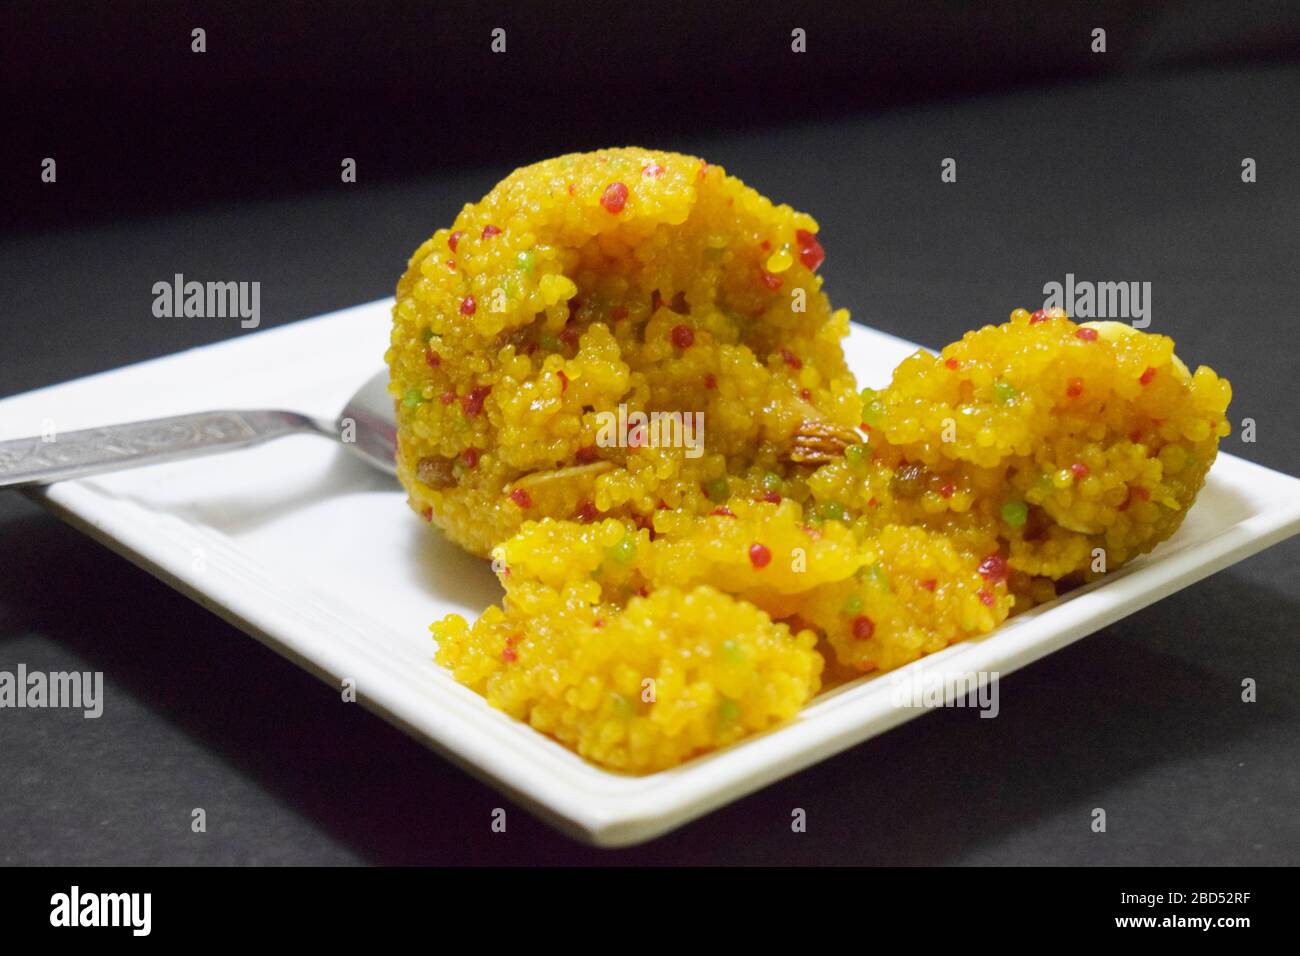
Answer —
(433, 358)
(447, 398)
(986, 597)
(586, 512)
(811, 253)
(1074, 387)
(652, 171)
(863, 628)
(805, 394)
(772, 497)
(953, 364)
(454, 239)
(614, 198)
(946, 489)
(683, 336)
(472, 401)
(791, 359)
(723, 511)
(619, 313)
(468, 305)
(587, 455)
(1087, 335)
(470, 457)
(1080, 470)
(521, 497)
(564, 382)
(1038, 315)
(993, 568)
(760, 556)
(1147, 376)
(710, 381)
(509, 655)
(772, 282)
(929, 584)
(490, 231)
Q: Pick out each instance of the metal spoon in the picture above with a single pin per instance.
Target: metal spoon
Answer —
(366, 426)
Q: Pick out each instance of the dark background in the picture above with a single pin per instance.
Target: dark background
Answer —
(225, 165)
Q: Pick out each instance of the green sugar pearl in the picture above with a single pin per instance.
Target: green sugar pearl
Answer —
(872, 407)
(852, 604)
(624, 551)
(772, 482)
(1015, 513)
(1004, 392)
(728, 711)
(876, 575)
(717, 489)
(831, 511)
(731, 652)
(412, 398)
(855, 454)
(526, 262)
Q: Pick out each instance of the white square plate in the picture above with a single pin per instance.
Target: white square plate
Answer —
(318, 556)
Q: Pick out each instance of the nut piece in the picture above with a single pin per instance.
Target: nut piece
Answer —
(435, 472)
(535, 478)
(816, 443)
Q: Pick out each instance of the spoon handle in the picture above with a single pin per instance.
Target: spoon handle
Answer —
(78, 454)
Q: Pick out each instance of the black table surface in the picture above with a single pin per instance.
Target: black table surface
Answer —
(1125, 179)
